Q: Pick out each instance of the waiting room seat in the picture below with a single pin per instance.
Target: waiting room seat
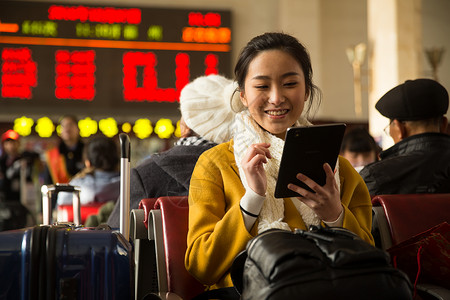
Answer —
(169, 228)
(399, 217)
(145, 278)
(147, 205)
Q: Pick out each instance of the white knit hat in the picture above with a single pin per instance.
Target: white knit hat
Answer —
(205, 107)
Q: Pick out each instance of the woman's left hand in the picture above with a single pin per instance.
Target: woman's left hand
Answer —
(325, 202)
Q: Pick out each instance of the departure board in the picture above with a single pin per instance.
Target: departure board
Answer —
(106, 60)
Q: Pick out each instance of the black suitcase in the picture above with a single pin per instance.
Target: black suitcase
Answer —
(68, 261)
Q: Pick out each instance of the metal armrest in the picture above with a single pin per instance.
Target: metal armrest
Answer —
(155, 230)
(144, 256)
(440, 293)
(137, 227)
(381, 224)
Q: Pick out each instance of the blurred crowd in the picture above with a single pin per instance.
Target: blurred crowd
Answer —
(27, 163)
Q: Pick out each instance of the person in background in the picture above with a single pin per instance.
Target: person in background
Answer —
(66, 159)
(231, 195)
(10, 166)
(100, 179)
(13, 161)
(419, 160)
(14, 164)
(205, 119)
(359, 148)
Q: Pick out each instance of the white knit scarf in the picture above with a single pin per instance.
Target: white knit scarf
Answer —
(248, 132)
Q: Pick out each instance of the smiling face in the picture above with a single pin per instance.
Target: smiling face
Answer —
(274, 91)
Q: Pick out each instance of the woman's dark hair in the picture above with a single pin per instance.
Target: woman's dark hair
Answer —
(359, 140)
(277, 41)
(73, 118)
(103, 153)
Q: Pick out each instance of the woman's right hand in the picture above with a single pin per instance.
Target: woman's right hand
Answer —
(253, 166)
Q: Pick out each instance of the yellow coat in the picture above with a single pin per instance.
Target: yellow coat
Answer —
(216, 227)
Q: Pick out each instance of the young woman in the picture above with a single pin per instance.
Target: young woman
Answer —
(231, 191)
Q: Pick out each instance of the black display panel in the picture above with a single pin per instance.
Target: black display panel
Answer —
(106, 60)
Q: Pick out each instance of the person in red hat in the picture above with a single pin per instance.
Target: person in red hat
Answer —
(13, 163)
(10, 166)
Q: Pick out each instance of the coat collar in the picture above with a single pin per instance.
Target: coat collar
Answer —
(233, 164)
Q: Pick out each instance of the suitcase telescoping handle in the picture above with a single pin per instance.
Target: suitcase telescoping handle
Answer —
(125, 185)
(50, 195)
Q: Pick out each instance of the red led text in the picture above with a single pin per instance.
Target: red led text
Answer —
(19, 73)
(75, 75)
(212, 64)
(82, 13)
(210, 19)
(148, 90)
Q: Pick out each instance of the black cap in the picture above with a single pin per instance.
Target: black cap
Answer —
(414, 100)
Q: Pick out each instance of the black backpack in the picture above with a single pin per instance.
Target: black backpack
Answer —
(322, 263)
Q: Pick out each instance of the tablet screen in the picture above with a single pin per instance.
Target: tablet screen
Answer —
(305, 151)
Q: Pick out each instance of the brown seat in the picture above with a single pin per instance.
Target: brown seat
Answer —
(147, 205)
(170, 227)
(400, 217)
(408, 215)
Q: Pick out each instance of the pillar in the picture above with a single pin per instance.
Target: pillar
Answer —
(395, 53)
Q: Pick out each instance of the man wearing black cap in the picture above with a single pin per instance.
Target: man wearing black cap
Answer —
(419, 162)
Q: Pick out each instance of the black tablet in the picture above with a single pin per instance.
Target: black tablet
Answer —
(305, 151)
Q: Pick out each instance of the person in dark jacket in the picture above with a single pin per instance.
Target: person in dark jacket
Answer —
(15, 166)
(65, 159)
(15, 163)
(205, 121)
(10, 166)
(419, 161)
